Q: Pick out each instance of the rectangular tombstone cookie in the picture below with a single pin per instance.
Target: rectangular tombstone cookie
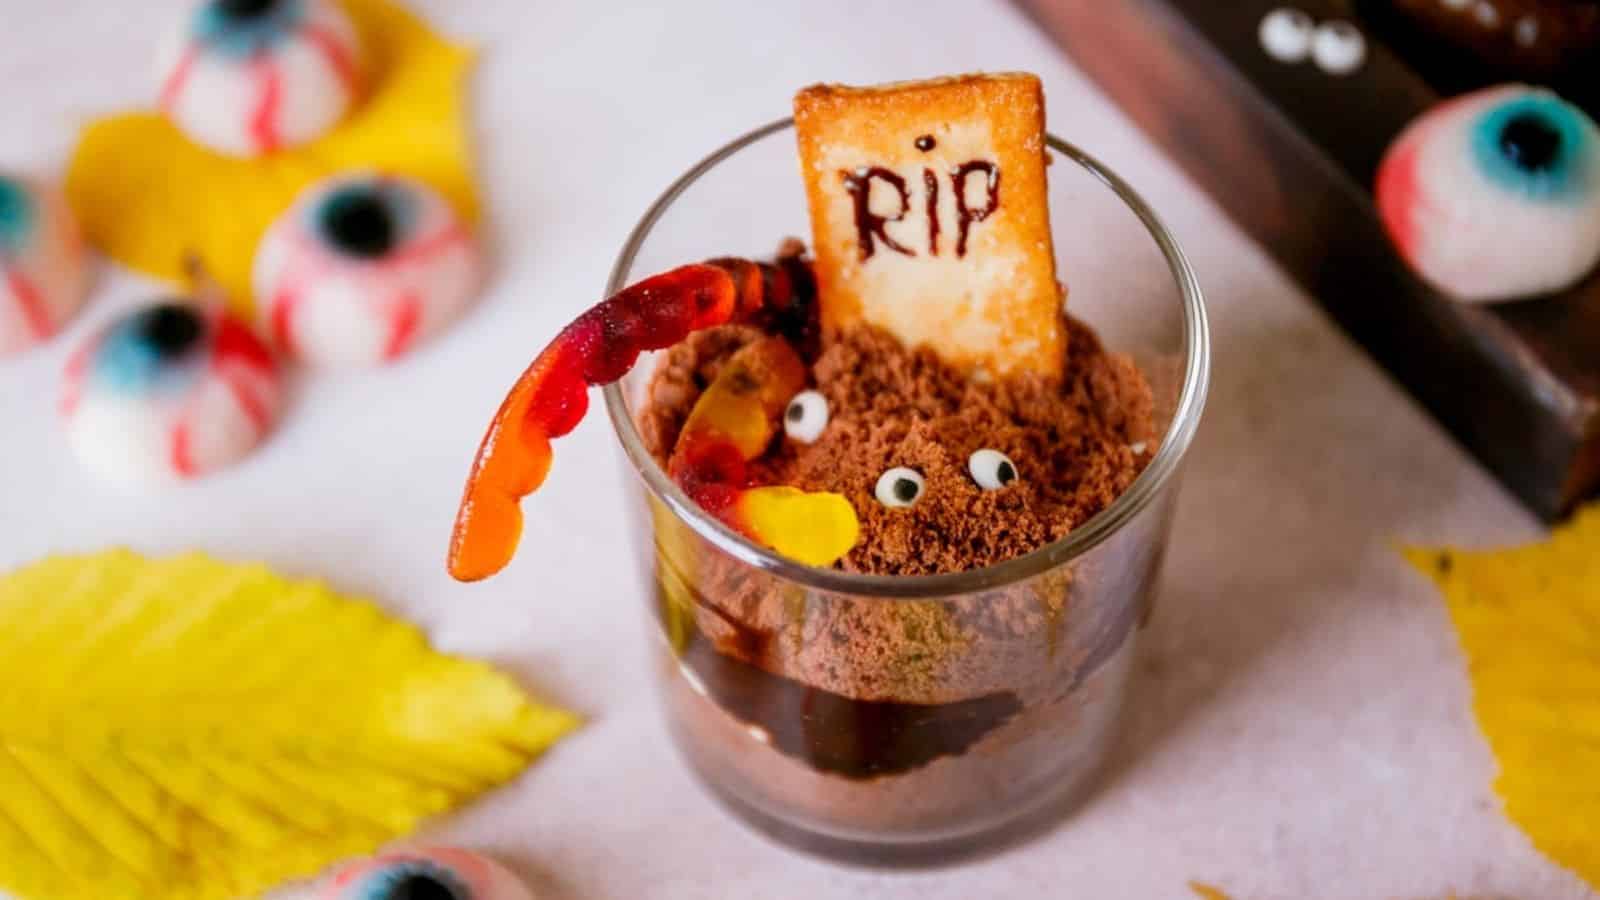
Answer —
(930, 216)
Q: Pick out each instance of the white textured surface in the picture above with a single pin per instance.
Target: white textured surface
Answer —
(1301, 727)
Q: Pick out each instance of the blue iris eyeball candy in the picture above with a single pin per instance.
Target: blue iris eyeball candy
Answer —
(1495, 195)
(249, 77)
(362, 269)
(43, 274)
(168, 392)
(430, 874)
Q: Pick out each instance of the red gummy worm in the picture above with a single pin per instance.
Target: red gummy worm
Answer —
(550, 398)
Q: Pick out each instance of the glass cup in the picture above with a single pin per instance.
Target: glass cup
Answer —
(907, 720)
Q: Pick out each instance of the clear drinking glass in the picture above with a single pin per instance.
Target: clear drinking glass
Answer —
(901, 720)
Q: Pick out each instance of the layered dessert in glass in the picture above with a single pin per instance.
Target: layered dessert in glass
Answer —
(903, 512)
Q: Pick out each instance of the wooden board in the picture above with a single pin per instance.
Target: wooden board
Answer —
(1290, 153)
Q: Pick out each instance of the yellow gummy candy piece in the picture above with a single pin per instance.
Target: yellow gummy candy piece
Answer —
(815, 529)
(736, 417)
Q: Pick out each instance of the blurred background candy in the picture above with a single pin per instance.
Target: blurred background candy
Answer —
(168, 392)
(432, 874)
(248, 77)
(362, 268)
(1496, 195)
(42, 271)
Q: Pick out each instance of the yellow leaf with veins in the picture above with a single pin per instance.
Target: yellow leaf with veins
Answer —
(1529, 623)
(148, 196)
(194, 730)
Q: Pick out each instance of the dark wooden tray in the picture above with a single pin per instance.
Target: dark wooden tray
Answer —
(1290, 153)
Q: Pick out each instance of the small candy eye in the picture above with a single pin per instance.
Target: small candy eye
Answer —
(991, 469)
(1286, 35)
(1338, 48)
(899, 486)
(806, 417)
(435, 874)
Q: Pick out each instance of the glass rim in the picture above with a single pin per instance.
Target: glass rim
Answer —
(1185, 421)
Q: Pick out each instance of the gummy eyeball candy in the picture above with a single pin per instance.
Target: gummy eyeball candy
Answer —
(362, 268)
(42, 272)
(434, 874)
(1496, 195)
(168, 392)
(248, 77)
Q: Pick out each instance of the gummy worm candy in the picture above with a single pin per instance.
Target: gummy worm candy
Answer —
(599, 347)
(732, 423)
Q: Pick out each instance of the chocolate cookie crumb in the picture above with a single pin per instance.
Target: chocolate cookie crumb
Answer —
(1071, 442)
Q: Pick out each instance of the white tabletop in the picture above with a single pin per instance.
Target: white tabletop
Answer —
(1300, 725)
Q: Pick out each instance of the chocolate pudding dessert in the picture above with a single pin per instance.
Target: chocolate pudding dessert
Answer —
(866, 466)
(905, 715)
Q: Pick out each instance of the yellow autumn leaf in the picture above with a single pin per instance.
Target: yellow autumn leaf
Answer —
(148, 196)
(1529, 623)
(196, 730)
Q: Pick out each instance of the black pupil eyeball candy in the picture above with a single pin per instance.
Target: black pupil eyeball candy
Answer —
(252, 77)
(245, 9)
(170, 330)
(439, 873)
(1495, 195)
(1530, 142)
(357, 221)
(991, 469)
(421, 887)
(169, 392)
(806, 417)
(899, 486)
(363, 269)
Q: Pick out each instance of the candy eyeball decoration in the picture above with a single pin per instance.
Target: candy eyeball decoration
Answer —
(1286, 34)
(899, 487)
(42, 268)
(362, 268)
(1495, 195)
(1338, 48)
(169, 392)
(991, 469)
(432, 874)
(806, 416)
(250, 77)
